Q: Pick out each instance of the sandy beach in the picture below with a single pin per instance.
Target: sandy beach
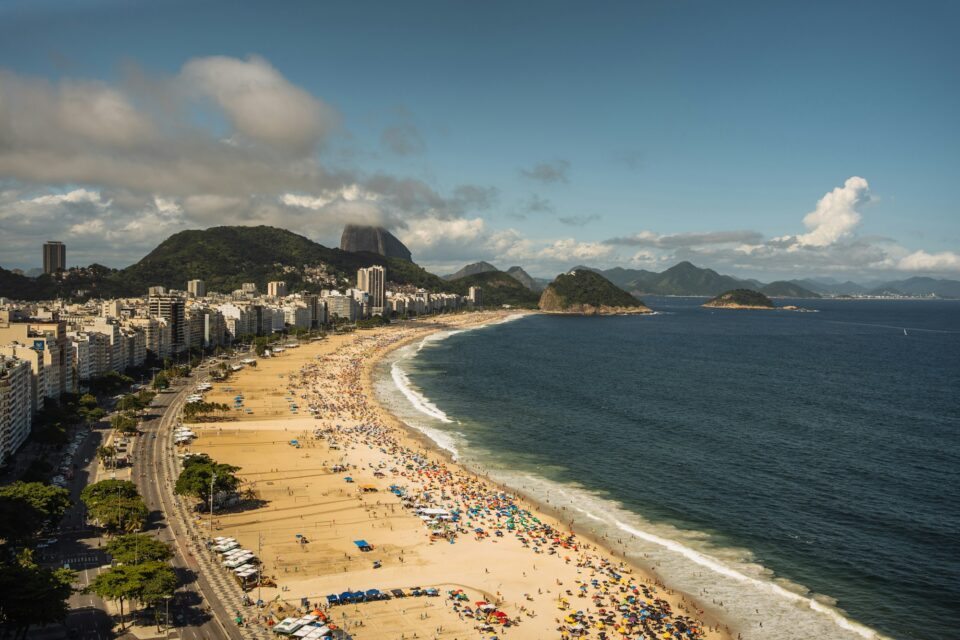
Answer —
(356, 473)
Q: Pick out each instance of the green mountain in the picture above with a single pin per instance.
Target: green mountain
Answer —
(19, 287)
(628, 279)
(741, 298)
(524, 278)
(226, 257)
(784, 289)
(470, 270)
(588, 292)
(499, 288)
(685, 279)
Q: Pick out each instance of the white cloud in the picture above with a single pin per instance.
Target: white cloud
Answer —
(567, 249)
(429, 236)
(260, 103)
(102, 114)
(836, 215)
(73, 197)
(937, 262)
(676, 240)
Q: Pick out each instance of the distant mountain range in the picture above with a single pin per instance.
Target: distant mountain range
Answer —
(916, 286)
(226, 257)
(474, 268)
(686, 279)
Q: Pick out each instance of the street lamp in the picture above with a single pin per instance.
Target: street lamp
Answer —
(213, 479)
(167, 619)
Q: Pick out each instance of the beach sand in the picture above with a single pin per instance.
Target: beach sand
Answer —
(298, 490)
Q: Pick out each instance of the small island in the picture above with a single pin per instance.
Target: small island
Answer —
(740, 299)
(585, 292)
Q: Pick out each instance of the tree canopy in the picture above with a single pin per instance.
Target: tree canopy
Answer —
(115, 504)
(24, 506)
(137, 548)
(147, 583)
(31, 594)
(196, 477)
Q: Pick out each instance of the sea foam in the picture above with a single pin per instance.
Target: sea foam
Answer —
(689, 561)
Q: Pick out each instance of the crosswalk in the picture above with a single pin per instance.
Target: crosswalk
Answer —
(83, 560)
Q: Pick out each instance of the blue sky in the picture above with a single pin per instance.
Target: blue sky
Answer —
(542, 134)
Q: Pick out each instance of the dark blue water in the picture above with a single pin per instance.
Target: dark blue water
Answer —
(827, 444)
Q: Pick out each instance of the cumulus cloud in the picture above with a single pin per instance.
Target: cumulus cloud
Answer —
(935, 262)
(95, 225)
(138, 146)
(548, 172)
(260, 103)
(836, 216)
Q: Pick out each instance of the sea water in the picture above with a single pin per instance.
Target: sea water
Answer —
(802, 469)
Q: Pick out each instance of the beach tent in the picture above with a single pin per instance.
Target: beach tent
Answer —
(363, 545)
(373, 594)
(288, 626)
(333, 599)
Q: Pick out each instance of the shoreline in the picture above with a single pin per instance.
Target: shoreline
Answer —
(725, 629)
(318, 495)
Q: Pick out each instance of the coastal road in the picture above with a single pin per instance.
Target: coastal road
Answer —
(205, 606)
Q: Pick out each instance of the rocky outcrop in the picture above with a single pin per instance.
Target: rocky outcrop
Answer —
(587, 293)
(740, 299)
(374, 240)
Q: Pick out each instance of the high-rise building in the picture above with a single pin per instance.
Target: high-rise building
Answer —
(476, 296)
(373, 281)
(54, 256)
(197, 288)
(49, 338)
(249, 288)
(171, 309)
(276, 289)
(15, 405)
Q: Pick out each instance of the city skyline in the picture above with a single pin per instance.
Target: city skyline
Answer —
(820, 152)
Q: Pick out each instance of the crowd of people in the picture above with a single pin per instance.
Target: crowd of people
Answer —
(608, 601)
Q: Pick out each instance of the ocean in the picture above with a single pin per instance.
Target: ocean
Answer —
(802, 469)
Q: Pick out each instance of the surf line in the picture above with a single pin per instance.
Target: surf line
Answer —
(719, 567)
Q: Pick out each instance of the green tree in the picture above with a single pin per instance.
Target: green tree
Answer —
(51, 501)
(120, 583)
(24, 506)
(31, 594)
(195, 479)
(161, 381)
(107, 454)
(124, 423)
(129, 402)
(88, 401)
(115, 504)
(137, 548)
(158, 581)
(147, 583)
